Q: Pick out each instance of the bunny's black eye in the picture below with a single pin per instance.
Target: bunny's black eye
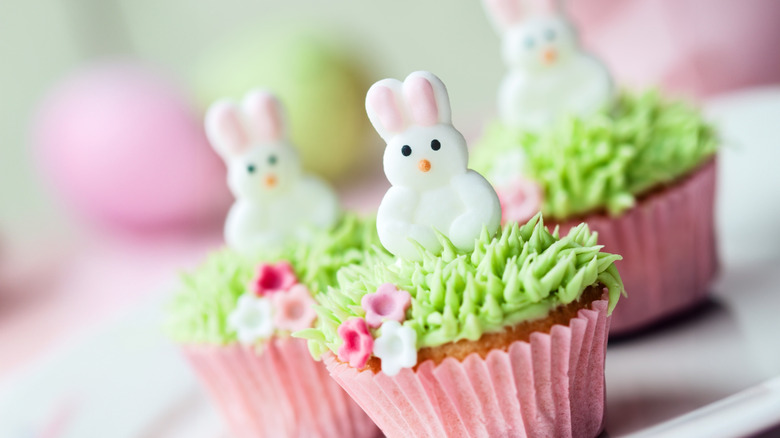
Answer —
(250, 168)
(549, 34)
(272, 160)
(435, 144)
(406, 150)
(529, 43)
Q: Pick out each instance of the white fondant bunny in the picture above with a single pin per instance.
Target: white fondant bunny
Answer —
(274, 199)
(426, 161)
(549, 76)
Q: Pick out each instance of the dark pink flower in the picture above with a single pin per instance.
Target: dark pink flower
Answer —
(520, 200)
(294, 309)
(386, 304)
(270, 279)
(358, 343)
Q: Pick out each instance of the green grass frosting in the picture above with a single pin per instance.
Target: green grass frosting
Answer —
(520, 274)
(199, 310)
(606, 160)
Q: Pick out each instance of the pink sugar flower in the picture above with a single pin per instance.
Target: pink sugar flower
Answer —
(358, 343)
(386, 304)
(270, 278)
(520, 200)
(294, 309)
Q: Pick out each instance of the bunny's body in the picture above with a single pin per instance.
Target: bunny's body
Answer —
(458, 210)
(251, 225)
(426, 161)
(549, 76)
(274, 200)
(577, 87)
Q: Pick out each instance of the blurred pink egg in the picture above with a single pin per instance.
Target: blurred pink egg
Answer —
(122, 145)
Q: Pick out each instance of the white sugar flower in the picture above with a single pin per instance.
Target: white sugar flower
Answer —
(252, 319)
(396, 346)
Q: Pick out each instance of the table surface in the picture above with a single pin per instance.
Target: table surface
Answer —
(114, 374)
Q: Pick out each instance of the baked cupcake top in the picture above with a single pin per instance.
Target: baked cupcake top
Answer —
(234, 297)
(392, 307)
(596, 163)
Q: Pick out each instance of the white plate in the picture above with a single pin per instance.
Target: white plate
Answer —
(127, 381)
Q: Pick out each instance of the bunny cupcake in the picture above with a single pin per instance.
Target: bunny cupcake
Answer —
(286, 240)
(638, 169)
(475, 330)
(549, 76)
(426, 161)
(274, 200)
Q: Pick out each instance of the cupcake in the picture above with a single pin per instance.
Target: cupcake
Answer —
(234, 315)
(467, 329)
(637, 167)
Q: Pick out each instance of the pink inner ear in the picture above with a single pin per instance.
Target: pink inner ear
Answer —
(229, 127)
(505, 12)
(422, 101)
(382, 101)
(265, 115)
(548, 7)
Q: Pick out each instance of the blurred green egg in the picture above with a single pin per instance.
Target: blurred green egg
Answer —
(319, 78)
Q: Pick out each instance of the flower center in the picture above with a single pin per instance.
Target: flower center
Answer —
(294, 311)
(255, 318)
(520, 197)
(395, 346)
(351, 340)
(270, 280)
(383, 305)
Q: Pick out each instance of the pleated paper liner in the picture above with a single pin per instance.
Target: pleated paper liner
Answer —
(668, 246)
(552, 386)
(280, 392)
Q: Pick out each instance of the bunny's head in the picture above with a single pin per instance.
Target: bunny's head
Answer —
(251, 138)
(536, 34)
(423, 149)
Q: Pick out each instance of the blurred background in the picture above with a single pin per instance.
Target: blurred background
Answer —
(108, 186)
(695, 47)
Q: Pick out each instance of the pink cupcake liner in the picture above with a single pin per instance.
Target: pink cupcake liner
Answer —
(280, 392)
(552, 386)
(668, 246)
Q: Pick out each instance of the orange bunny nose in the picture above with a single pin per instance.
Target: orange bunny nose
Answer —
(270, 181)
(549, 56)
(424, 165)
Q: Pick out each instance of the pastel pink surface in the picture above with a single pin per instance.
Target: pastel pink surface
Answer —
(357, 342)
(387, 303)
(265, 115)
(382, 101)
(294, 309)
(550, 386)
(520, 200)
(505, 12)
(227, 129)
(668, 246)
(123, 146)
(281, 392)
(695, 47)
(271, 279)
(422, 101)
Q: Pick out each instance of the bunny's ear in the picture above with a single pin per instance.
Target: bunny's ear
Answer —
(426, 99)
(264, 113)
(505, 13)
(554, 7)
(225, 129)
(383, 106)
